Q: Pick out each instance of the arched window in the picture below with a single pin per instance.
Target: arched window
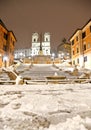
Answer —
(46, 39)
(34, 40)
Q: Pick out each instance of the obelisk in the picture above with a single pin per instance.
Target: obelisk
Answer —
(41, 51)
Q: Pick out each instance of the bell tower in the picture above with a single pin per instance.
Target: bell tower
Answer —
(47, 37)
(35, 37)
(41, 44)
(46, 44)
(35, 44)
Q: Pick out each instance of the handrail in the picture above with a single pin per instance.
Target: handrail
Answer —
(59, 81)
(52, 81)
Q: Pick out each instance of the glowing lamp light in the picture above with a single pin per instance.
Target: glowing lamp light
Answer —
(5, 58)
(53, 54)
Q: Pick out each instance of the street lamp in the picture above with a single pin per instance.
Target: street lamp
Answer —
(15, 56)
(22, 56)
(59, 56)
(0, 59)
(53, 56)
(5, 58)
(32, 59)
(62, 56)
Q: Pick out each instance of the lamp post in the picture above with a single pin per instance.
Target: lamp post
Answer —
(53, 56)
(15, 56)
(62, 56)
(32, 59)
(59, 56)
(5, 61)
(0, 60)
(22, 56)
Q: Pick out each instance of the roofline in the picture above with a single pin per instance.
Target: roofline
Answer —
(80, 28)
(2, 23)
(63, 44)
(13, 34)
(74, 33)
(86, 23)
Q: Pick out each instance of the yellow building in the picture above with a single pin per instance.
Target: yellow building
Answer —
(81, 46)
(7, 44)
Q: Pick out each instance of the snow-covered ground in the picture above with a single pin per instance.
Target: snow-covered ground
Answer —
(45, 107)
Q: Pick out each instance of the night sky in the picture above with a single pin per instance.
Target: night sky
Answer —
(59, 17)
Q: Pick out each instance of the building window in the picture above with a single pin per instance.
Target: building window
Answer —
(84, 47)
(5, 36)
(65, 46)
(13, 43)
(89, 45)
(85, 58)
(83, 35)
(72, 42)
(25, 53)
(76, 38)
(4, 47)
(77, 50)
(46, 39)
(34, 40)
(90, 28)
(73, 52)
(73, 62)
(78, 60)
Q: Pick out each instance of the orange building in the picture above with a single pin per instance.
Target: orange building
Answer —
(81, 46)
(7, 45)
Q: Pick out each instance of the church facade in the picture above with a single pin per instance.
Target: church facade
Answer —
(41, 44)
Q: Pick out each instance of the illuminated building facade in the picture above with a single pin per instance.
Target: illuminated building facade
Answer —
(40, 46)
(81, 46)
(7, 45)
(22, 53)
